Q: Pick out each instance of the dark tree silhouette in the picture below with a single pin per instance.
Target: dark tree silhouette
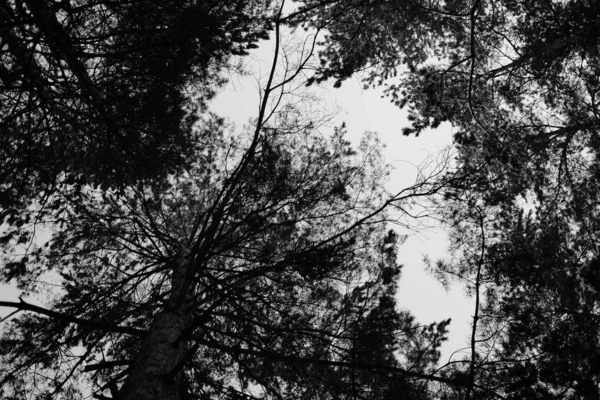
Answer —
(224, 278)
(262, 269)
(519, 81)
(107, 92)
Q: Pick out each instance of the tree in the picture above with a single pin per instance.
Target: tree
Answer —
(519, 81)
(536, 334)
(107, 92)
(171, 288)
(263, 269)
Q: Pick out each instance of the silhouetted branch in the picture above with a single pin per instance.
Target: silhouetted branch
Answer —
(102, 326)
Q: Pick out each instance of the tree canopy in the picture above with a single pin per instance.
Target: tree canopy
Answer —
(106, 92)
(519, 81)
(263, 267)
(190, 260)
(223, 277)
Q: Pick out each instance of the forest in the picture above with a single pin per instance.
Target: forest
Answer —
(180, 257)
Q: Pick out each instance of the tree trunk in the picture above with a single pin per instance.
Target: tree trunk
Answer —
(151, 375)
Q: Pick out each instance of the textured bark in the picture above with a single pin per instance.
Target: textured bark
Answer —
(151, 375)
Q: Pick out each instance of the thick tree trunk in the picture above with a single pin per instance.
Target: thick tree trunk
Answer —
(151, 374)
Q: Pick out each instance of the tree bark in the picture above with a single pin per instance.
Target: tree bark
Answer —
(151, 375)
(156, 373)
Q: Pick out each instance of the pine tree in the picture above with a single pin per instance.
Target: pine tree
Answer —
(519, 82)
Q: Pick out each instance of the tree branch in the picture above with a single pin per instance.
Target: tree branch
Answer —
(102, 326)
(471, 381)
(106, 365)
